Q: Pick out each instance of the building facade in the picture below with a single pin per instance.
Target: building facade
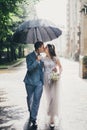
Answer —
(83, 39)
(77, 33)
(73, 26)
(83, 23)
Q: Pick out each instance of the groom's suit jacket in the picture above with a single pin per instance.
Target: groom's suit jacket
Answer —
(34, 73)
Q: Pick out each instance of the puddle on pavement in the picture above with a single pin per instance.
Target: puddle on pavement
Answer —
(9, 114)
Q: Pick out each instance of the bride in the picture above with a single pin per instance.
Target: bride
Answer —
(52, 71)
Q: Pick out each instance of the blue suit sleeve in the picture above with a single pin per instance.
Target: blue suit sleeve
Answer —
(31, 64)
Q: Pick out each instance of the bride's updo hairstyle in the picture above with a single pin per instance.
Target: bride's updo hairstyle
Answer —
(51, 49)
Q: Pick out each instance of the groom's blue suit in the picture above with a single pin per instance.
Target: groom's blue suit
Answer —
(33, 83)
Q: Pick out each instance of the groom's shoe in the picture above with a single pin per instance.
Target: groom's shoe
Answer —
(32, 124)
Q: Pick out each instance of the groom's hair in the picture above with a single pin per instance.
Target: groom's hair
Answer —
(38, 44)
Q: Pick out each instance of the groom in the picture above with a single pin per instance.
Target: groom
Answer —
(34, 82)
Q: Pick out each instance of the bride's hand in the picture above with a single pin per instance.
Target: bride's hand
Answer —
(54, 69)
(38, 58)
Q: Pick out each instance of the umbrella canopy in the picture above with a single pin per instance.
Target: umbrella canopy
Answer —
(36, 30)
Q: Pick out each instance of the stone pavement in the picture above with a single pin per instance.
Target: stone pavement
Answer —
(72, 100)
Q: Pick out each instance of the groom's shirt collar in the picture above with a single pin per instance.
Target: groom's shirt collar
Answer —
(36, 53)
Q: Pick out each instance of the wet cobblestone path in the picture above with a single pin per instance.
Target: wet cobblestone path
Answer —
(72, 100)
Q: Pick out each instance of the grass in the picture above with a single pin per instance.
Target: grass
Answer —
(14, 63)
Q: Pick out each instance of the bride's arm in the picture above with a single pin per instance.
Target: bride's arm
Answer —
(59, 65)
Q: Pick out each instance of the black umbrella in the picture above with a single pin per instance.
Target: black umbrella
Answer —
(36, 30)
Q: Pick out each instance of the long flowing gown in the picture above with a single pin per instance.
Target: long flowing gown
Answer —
(51, 87)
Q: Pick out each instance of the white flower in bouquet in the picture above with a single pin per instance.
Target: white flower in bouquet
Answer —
(54, 76)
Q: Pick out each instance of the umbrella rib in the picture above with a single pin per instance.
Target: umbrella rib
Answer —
(36, 33)
(55, 32)
(40, 33)
(48, 34)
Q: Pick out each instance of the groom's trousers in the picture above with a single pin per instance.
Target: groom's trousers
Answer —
(33, 99)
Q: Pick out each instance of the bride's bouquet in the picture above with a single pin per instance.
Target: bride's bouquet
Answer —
(54, 76)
